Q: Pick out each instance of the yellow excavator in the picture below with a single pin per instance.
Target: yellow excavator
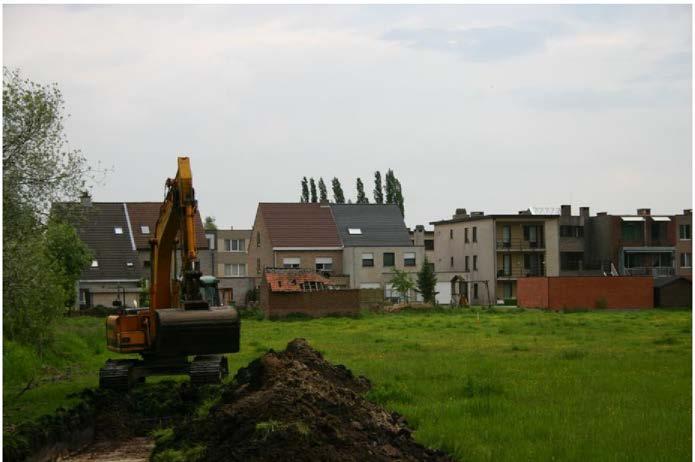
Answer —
(183, 318)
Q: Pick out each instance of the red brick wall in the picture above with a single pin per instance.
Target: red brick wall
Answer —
(279, 304)
(586, 292)
(532, 292)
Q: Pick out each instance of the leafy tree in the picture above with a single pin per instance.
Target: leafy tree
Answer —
(313, 190)
(338, 196)
(305, 190)
(361, 197)
(69, 253)
(210, 224)
(378, 190)
(38, 170)
(402, 283)
(323, 193)
(398, 196)
(427, 282)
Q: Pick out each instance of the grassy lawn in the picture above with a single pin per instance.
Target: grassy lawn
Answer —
(515, 385)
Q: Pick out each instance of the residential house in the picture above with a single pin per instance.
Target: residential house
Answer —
(117, 234)
(684, 243)
(295, 235)
(229, 256)
(375, 242)
(478, 257)
(575, 258)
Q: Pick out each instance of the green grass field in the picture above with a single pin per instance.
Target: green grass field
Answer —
(514, 385)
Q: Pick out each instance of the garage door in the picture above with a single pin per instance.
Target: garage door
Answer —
(444, 295)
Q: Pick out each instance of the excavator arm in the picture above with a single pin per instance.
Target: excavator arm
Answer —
(176, 220)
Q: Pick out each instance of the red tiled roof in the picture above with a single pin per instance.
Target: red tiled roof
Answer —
(146, 214)
(291, 281)
(300, 225)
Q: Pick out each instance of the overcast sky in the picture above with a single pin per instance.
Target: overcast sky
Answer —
(483, 107)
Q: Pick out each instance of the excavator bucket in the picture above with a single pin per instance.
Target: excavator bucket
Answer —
(197, 332)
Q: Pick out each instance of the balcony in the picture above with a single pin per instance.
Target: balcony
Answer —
(653, 271)
(519, 245)
(514, 273)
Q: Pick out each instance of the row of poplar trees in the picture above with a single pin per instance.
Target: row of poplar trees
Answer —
(390, 192)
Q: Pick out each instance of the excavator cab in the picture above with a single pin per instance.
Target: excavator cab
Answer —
(184, 318)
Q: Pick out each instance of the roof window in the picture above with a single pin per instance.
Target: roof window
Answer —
(118, 230)
(129, 264)
(354, 231)
(144, 229)
(95, 264)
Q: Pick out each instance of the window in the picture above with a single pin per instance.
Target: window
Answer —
(293, 262)
(506, 235)
(684, 232)
(95, 264)
(475, 290)
(632, 230)
(431, 266)
(354, 231)
(466, 268)
(475, 262)
(118, 230)
(429, 244)
(235, 245)
(686, 260)
(409, 259)
(211, 241)
(451, 234)
(234, 269)
(258, 265)
(451, 262)
(389, 259)
(465, 235)
(565, 231)
(475, 234)
(324, 264)
(144, 229)
(258, 239)
(506, 265)
(367, 259)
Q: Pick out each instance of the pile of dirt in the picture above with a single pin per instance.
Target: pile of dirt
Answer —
(294, 405)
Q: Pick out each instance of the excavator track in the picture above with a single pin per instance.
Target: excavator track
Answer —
(208, 369)
(117, 374)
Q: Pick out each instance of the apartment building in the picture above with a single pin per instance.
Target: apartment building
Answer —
(478, 257)
(424, 238)
(684, 243)
(229, 258)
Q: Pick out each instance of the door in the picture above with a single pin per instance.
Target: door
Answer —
(507, 264)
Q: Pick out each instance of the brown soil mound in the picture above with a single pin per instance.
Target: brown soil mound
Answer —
(294, 405)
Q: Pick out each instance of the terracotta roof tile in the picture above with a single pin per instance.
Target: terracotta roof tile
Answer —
(290, 281)
(300, 225)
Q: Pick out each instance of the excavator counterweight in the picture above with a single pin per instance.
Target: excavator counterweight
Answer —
(184, 317)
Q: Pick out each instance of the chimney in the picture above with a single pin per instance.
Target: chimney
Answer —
(644, 212)
(565, 210)
(324, 202)
(477, 214)
(86, 199)
(460, 213)
(584, 215)
(687, 211)
(420, 228)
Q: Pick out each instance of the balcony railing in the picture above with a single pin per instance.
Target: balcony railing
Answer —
(654, 271)
(520, 272)
(520, 244)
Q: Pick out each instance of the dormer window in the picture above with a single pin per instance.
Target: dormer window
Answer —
(354, 231)
(144, 229)
(95, 264)
(118, 230)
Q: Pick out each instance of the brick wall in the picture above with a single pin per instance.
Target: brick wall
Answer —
(586, 292)
(280, 304)
(532, 292)
(371, 298)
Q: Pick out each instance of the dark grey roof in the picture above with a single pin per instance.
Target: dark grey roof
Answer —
(381, 225)
(95, 225)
